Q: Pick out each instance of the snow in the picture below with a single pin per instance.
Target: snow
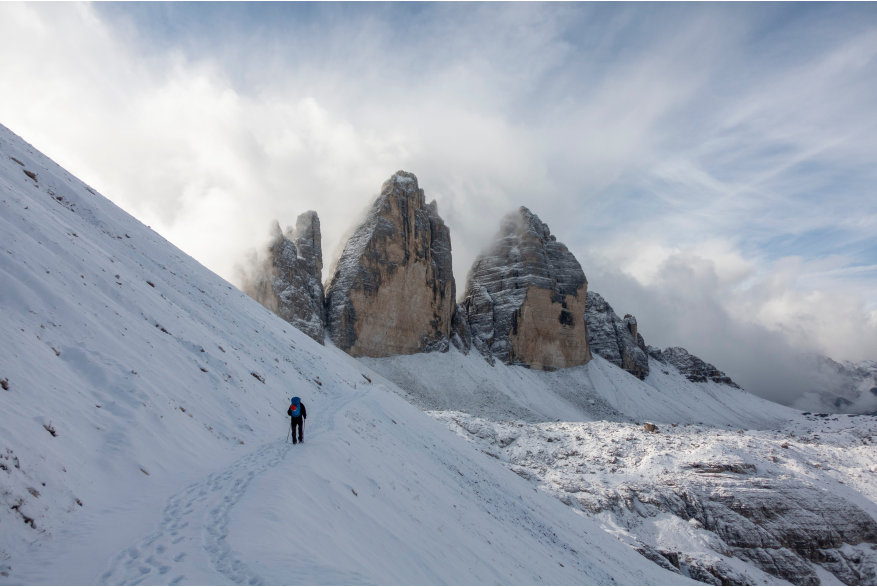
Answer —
(596, 391)
(166, 389)
(578, 434)
(595, 467)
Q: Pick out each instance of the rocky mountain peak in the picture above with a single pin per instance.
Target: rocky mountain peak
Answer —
(615, 339)
(392, 290)
(525, 297)
(308, 241)
(288, 279)
(694, 368)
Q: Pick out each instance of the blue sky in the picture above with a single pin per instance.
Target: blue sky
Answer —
(731, 146)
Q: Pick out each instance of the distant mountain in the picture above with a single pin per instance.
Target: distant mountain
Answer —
(839, 387)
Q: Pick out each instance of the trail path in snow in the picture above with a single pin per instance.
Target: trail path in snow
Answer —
(201, 513)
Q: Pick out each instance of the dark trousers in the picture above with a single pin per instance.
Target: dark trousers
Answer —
(301, 432)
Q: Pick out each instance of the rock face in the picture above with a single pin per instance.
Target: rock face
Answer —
(526, 296)
(692, 367)
(656, 353)
(461, 333)
(392, 291)
(289, 281)
(618, 341)
(615, 339)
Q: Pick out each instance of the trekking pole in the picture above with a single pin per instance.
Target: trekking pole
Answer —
(288, 431)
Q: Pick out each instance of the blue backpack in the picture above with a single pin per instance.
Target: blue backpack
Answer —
(295, 407)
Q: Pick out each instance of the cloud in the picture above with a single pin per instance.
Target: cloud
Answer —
(763, 331)
(714, 161)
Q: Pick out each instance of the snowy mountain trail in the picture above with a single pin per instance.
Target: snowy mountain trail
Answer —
(143, 406)
(197, 519)
(198, 514)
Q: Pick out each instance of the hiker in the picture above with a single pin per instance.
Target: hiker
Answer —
(299, 414)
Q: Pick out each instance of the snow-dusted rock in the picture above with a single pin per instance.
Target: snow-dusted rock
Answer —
(724, 507)
(289, 280)
(392, 291)
(693, 367)
(461, 334)
(655, 353)
(615, 339)
(525, 297)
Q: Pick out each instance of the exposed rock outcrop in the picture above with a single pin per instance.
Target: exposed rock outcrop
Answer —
(461, 334)
(526, 296)
(618, 341)
(289, 280)
(615, 339)
(392, 291)
(771, 523)
(656, 353)
(729, 491)
(694, 368)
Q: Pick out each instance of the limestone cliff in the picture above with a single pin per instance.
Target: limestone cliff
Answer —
(693, 368)
(615, 339)
(288, 280)
(525, 297)
(392, 291)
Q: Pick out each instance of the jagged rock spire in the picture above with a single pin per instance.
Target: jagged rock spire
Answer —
(289, 280)
(392, 291)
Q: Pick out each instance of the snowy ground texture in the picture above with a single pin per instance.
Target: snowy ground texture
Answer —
(142, 437)
(596, 391)
(731, 489)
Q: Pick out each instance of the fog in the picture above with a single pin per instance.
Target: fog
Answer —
(686, 305)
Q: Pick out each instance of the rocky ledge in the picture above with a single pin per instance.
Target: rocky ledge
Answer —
(392, 291)
(694, 369)
(615, 339)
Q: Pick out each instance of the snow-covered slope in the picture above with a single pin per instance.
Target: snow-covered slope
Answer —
(726, 506)
(596, 391)
(733, 489)
(142, 436)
